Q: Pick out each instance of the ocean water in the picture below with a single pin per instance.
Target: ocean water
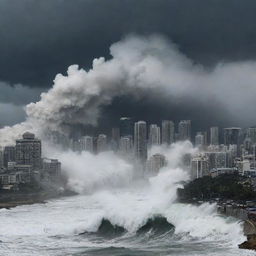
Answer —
(118, 222)
(119, 212)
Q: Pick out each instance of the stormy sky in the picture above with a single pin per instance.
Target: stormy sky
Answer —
(40, 38)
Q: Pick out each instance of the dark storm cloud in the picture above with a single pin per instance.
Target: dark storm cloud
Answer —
(39, 38)
(18, 94)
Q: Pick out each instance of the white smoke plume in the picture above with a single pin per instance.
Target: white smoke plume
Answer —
(138, 63)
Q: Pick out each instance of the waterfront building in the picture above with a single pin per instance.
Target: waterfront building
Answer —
(214, 135)
(115, 138)
(243, 166)
(168, 132)
(51, 168)
(155, 163)
(154, 135)
(217, 159)
(101, 143)
(126, 126)
(184, 129)
(126, 145)
(1, 158)
(199, 166)
(86, 143)
(220, 171)
(251, 134)
(200, 140)
(140, 140)
(8, 155)
(28, 151)
(232, 136)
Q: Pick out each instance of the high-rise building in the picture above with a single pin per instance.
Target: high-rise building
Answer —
(115, 139)
(200, 140)
(154, 135)
(232, 136)
(126, 145)
(251, 134)
(101, 143)
(51, 167)
(185, 130)
(87, 143)
(8, 155)
(168, 132)
(1, 158)
(28, 151)
(140, 140)
(126, 126)
(199, 167)
(155, 163)
(214, 135)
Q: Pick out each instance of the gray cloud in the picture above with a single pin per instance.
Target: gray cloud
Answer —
(11, 114)
(39, 38)
(18, 94)
(42, 37)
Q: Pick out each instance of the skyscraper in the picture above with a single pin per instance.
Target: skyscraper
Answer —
(200, 140)
(199, 167)
(1, 158)
(154, 135)
(251, 134)
(9, 155)
(28, 151)
(140, 140)
(87, 143)
(126, 145)
(185, 130)
(214, 135)
(126, 126)
(115, 138)
(101, 143)
(155, 163)
(232, 136)
(168, 132)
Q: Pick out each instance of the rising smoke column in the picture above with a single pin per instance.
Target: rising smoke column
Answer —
(137, 64)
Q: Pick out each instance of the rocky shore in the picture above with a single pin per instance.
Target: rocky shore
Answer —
(250, 244)
(11, 199)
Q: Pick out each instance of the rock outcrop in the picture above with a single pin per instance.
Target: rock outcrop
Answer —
(250, 244)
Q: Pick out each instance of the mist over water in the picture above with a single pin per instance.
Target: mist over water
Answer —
(117, 213)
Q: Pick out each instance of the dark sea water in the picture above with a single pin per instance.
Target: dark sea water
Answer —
(117, 223)
(119, 213)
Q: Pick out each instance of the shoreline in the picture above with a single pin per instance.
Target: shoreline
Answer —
(11, 200)
(236, 210)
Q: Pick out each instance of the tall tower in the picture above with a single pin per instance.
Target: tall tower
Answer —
(101, 143)
(115, 139)
(8, 155)
(126, 145)
(185, 130)
(232, 136)
(168, 132)
(28, 151)
(87, 143)
(154, 135)
(214, 135)
(140, 140)
(126, 126)
(251, 134)
(200, 140)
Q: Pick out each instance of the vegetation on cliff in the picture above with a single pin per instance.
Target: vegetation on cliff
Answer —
(226, 186)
